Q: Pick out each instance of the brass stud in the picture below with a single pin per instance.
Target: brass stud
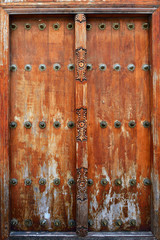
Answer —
(103, 124)
(132, 222)
(56, 26)
(131, 67)
(145, 26)
(89, 66)
(116, 26)
(71, 223)
(90, 222)
(43, 222)
(117, 67)
(13, 26)
(118, 182)
(13, 124)
(132, 124)
(27, 26)
(104, 181)
(28, 222)
(102, 67)
(28, 182)
(57, 223)
(130, 26)
(28, 67)
(117, 124)
(56, 124)
(147, 182)
(71, 181)
(71, 67)
(90, 182)
(28, 124)
(88, 26)
(56, 181)
(146, 124)
(70, 124)
(13, 181)
(102, 26)
(56, 66)
(132, 182)
(104, 222)
(14, 222)
(119, 222)
(42, 67)
(42, 26)
(13, 68)
(146, 67)
(42, 181)
(69, 26)
(42, 124)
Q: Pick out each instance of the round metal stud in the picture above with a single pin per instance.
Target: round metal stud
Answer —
(43, 222)
(118, 182)
(42, 26)
(104, 181)
(147, 182)
(90, 222)
(131, 67)
(56, 181)
(71, 67)
(28, 124)
(146, 67)
(116, 26)
(88, 26)
(132, 124)
(57, 223)
(13, 124)
(56, 66)
(117, 67)
(56, 124)
(89, 66)
(90, 182)
(132, 182)
(145, 26)
(13, 68)
(146, 124)
(117, 124)
(42, 181)
(27, 26)
(71, 223)
(42, 124)
(132, 222)
(28, 222)
(42, 67)
(119, 222)
(102, 26)
(28, 182)
(69, 26)
(13, 181)
(70, 124)
(28, 68)
(103, 124)
(56, 26)
(13, 26)
(71, 182)
(14, 222)
(104, 222)
(102, 67)
(130, 26)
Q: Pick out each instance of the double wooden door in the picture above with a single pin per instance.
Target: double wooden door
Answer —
(80, 150)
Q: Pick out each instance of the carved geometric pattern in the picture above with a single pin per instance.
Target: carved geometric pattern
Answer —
(82, 231)
(80, 18)
(82, 184)
(81, 124)
(81, 64)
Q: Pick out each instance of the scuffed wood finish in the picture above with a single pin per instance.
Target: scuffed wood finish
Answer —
(81, 125)
(125, 152)
(42, 96)
(4, 155)
(155, 116)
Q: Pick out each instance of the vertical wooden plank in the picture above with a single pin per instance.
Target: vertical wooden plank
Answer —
(155, 118)
(4, 158)
(81, 129)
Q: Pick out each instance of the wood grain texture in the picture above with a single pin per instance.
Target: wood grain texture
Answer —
(4, 107)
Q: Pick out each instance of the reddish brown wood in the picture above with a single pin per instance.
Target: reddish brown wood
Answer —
(81, 128)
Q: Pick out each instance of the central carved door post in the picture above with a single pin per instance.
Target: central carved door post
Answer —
(81, 125)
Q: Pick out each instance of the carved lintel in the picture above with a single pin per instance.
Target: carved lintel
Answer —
(81, 124)
(82, 184)
(81, 64)
(80, 18)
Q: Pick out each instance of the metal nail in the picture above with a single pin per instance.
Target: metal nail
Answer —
(69, 26)
(131, 67)
(13, 68)
(147, 182)
(42, 67)
(43, 222)
(28, 182)
(88, 26)
(13, 26)
(119, 222)
(130, 26)
(104, 222)
(117, 124)
(71, 181)
(13, 124)
(104, 181)
(146, 124)
(28, 124)
(57, 223)
(145, 26)
(13, 181)
(42, 124)
(27, 26)
(56, 124)
(117, 67)
(118, 182)
(146, 67)
(116, 26)
(14, 222)
(71, 67)
(28, 222)
(103, 124)
(132, 124)
(102, 67)
(90, 182)
(71, 223)
(132, 222)
(56, 66)
(28, 67)
(102, 26)
(56, 26)
(42, 26)
(132, 182)
(89, 66)
(42, 181)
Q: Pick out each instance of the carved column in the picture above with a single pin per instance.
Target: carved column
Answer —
(81, 126)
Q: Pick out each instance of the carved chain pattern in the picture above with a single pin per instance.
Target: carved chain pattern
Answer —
(81, 64)
(81, 124)
(80, 18)
(82, 184)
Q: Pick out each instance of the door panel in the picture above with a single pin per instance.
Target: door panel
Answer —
(118, 153)
(47, 96)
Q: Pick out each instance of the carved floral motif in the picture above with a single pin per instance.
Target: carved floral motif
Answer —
(82, 184)
(81, 64)
(81, 124)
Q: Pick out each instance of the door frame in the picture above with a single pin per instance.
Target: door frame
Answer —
(151, 8)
